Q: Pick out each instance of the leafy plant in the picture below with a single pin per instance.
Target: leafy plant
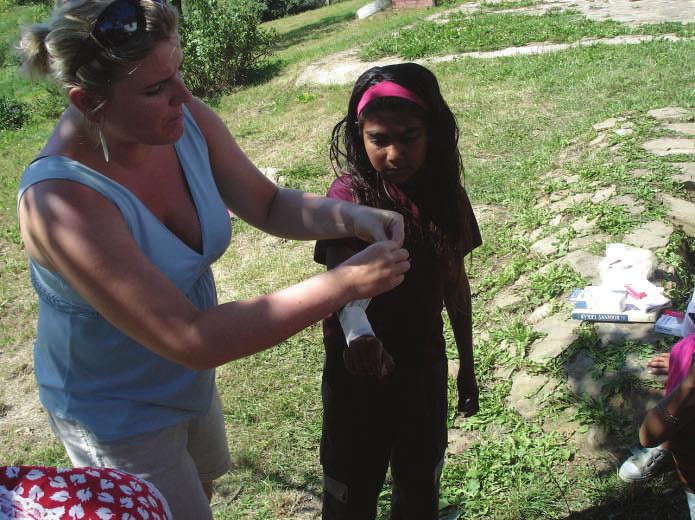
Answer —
(223, 44)
(552, 282)
(13, 114)
(679, 254)
(273, 9)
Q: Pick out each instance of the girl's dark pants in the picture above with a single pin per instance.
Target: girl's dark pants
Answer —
(369, 423)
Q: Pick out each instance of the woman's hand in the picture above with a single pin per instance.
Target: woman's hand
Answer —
(374, 270)
(366, 356)
(374, 225)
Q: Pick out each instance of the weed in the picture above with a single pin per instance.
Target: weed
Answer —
(514, 466)
(552, 282)
(13, 114)
(679, 254)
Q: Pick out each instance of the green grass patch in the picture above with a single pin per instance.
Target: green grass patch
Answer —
(491, 31)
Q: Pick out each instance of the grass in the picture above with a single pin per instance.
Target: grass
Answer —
(492, 31)
(516, 115)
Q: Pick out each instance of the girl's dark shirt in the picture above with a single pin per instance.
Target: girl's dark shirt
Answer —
(407, 319)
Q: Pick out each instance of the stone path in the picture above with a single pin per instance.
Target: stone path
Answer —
(344, 67)
(629, 12)
(582, 375)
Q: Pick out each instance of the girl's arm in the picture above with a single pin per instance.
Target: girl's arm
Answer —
(461, 318)
(670, 413)
(365, 355)
(283, 212)
(73, 230)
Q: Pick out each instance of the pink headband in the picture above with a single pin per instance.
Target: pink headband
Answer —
(388, 89)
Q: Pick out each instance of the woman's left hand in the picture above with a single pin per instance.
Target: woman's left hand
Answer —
(374, 225)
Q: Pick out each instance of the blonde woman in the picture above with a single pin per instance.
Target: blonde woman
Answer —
(122, 214)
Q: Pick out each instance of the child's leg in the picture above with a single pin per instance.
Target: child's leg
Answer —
(421, 436)
(355, 444)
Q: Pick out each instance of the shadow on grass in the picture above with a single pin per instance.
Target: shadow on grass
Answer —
(312, 31)
(663, 499)
(263, 73)
(305, 482)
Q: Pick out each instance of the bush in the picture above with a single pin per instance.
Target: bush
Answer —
(13, 114)
(222, 44)
(273, 9)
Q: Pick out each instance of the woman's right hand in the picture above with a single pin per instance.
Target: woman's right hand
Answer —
(374, 270)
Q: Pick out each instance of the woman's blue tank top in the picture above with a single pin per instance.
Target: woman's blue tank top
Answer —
(89, 371)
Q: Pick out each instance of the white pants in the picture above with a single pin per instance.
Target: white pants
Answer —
(176, 460)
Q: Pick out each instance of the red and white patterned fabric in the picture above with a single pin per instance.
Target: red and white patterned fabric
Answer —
(48, 493)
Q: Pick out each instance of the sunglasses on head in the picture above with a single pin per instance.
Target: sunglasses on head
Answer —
(117, 24)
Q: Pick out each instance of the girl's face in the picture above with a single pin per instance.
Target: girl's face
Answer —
(396, 144)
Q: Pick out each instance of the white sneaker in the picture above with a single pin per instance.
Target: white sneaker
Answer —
(645, 463)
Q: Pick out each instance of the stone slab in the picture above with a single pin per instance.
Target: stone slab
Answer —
(670, 114)
(539, 313)
(453, 368)
(687, 177)
(587, 241)
(680, 212)
(528, 392)
(652, 235)
(584, 263)
(507, 298)
(664, 146)
(561, 332)
(583, 226)
(682, 128)
(572, 200)
(629, 203)
(641, 172)
(619, 333)
(490, 213)
(580, 377)
(608, 123)
(545, 246)
(603, 195)
(556, 220)
(459, 440)
(558, 195)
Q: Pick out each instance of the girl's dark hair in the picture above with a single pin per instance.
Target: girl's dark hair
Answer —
(437, 189)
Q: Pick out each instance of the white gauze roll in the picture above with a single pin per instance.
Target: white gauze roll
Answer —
(353, 320)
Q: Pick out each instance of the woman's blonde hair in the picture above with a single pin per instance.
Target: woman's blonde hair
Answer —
(49, 49)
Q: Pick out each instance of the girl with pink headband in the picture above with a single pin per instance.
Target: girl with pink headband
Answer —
(385, 374)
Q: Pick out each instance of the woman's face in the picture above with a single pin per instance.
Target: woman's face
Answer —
(146, 106)
(396, 144)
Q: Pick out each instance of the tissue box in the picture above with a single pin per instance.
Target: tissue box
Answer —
(671, 323)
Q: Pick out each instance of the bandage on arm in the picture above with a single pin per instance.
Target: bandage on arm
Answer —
(353, 320)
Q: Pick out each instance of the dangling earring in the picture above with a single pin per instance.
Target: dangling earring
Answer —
(104, 146)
